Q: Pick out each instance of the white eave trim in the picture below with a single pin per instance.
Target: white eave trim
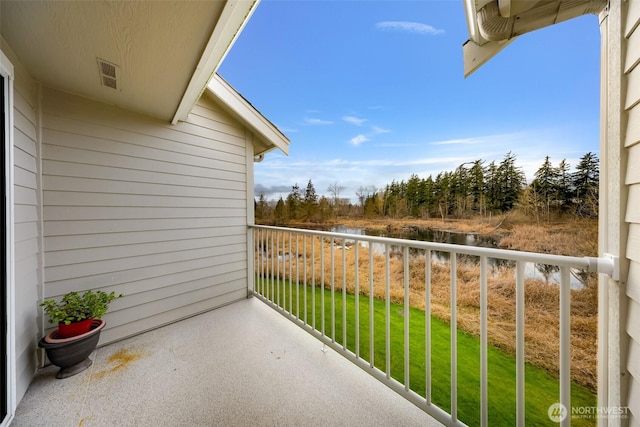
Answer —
(234, 16)
(475, 55)
(243, 110)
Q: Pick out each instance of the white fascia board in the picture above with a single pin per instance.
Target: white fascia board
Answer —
(475, 55)
(235, 15)
(259, 125)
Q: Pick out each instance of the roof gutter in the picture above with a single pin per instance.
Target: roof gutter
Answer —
(493, 24)
(235, 15)
(477, 50)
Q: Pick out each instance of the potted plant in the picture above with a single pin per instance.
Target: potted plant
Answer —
(79, 325)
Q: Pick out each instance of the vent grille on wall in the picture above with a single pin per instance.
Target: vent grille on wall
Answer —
(107, 73)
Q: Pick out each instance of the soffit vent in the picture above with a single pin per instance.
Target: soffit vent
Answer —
(108, 73)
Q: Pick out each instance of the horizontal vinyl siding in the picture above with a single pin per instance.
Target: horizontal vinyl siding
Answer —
(140, 207)
(26, 227)
(632, 142)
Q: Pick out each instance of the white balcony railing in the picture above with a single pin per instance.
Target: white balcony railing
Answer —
(310, 276)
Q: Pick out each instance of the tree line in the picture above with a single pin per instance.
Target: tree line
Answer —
(472, 189)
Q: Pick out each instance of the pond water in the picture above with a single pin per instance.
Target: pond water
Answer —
(425, 235)
(544, 272)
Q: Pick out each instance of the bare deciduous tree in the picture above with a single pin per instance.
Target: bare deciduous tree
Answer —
(335, 189)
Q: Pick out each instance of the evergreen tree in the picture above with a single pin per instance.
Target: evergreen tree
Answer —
(545, 185)
(492, 186)
(374, 205)
(310, 202)
(477, 186)
(586, 180)
(294, 203)
(564, 185)
(392, 197)
(262, 208)
(414, 196)
(460, 186)
(510, 180)
(428, 195)
(442, 186)
(280, 213)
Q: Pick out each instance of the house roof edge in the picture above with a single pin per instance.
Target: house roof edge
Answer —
(262, 127)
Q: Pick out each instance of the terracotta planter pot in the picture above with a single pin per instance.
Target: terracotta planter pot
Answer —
(72, 354)
(75, 328)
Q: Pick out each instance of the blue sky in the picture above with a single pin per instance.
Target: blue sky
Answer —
(373, 91)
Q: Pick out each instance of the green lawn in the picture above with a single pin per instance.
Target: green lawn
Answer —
(541, 389)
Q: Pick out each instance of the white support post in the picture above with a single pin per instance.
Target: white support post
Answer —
(251, 250)
(612, 228)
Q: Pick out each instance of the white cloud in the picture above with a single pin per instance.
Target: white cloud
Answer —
(287, 129)
(357, 140)
(321, 122)
(396, 144)
(378, 129)
(411, 27)
(354, 120)
(485, 139)
(459, 141)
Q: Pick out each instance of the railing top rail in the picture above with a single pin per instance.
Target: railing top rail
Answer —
(601, 265)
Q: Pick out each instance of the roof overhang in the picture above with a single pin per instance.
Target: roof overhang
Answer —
(493, 24)
(157, 55)
(267, 136)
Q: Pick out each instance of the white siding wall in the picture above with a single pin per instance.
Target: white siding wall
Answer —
(138, 206)
(26, 213)
(632, 144)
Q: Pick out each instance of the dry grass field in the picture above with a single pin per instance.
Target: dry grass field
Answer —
(541, 298)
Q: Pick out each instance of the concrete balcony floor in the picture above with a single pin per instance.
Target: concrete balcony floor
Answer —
(240, 365)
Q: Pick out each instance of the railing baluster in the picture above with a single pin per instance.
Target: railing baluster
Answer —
(277, 268)
(454, 337)
(565, 341)
(322, 315)
(283, 305)
(280, 274)
(313, 282)
(263, 262)
(371, 307)
(357, 295)
(407, 372)
(273, 265)
(344, 294)
(256, 259)
(484, 388)
(304, 266)
(387, 309)
(290, 275)
(267, 265)
(427, 325)
(520, 373)
(297, 277)
(333, 292)
(265, 280)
